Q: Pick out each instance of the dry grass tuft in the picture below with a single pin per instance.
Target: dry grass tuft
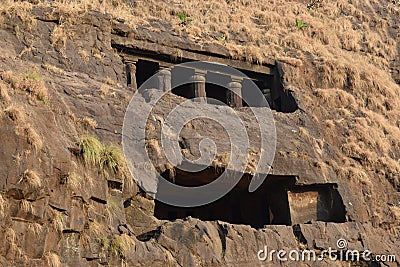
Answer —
(107, 80)
(356, 175)
(52, 259)
(109, 158)
(10, 235)
(10, 238)
(153, 147)
(15, 113)
(112, 159)
(26, 206)
(121, 244)
(58, 37)
(57, 221)
(252, 161)
(32, 137)
(303, 132)
(336, 98)
(35, 228)
(97, 229)
(84, 55)
(32, 179)
(104, 90)
(54, 69)
(88, 122)
(9, 77)
(4, 96)
(32, 83)
(295, 62)
(75, 181)
(90, 149)
(395, 211)
(3, 205)
(221, 160)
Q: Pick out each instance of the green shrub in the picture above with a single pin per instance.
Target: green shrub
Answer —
(106, 157)
(121, 244)
(300, 25)
(90, 149)
(34, 76)
(111, 158)
(184, 19)
(222, 38)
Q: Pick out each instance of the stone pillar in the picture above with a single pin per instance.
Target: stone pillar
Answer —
(164, 79)
(234, 95)
(267, 94)
(199, 85)
(131, 74)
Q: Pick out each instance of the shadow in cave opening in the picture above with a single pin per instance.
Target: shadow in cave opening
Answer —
(278, 201)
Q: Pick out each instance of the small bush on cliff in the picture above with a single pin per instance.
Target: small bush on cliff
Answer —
(31, 178)
(184, 19)
(88, 122)
(32, 83)
(300, 25)
(106, 157)
(34, 76)
(15, 113)
(32, 137)
(121, 244)
(90, 149)
(111, 158)
(4, 96)
(52, 259)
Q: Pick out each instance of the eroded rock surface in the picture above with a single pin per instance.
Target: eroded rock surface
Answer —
(74, 215)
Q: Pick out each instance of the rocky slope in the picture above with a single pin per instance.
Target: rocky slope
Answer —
(61, 81)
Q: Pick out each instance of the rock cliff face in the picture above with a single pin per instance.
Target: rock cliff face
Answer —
(63, 79)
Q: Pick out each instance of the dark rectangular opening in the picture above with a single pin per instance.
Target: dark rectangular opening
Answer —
(144, 70)
(277, 201)
(216, 94)
(180, 87)
(316, 203)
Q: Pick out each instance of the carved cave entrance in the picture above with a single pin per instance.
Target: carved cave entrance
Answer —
(269, 83)
(278, 201)
(144, 70)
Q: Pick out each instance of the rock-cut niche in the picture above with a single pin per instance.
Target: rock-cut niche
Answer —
(278, 201)
(270, 84)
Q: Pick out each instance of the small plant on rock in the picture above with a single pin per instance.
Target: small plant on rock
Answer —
(34, 84)
(90, 149)
(121, 244)
(184, 19)
(300, 25)
(222, 38)
(31, 178)
(109, 158)
(34, 76)
(52, 259)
